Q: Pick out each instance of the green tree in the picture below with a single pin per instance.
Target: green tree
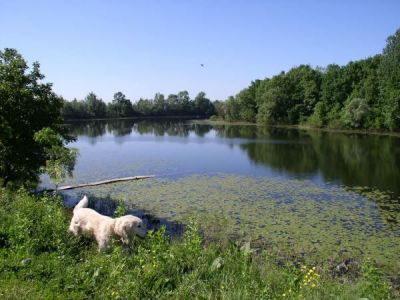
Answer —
(183, 103)
(303, 89)
(389, 71)
(247, 102)
(120, 106)
(356, 113)
(203, 105)
(60, 161)
(219, 107)
(27, 105)
(334, 92)
(74, 110)
(273, 101)
(96, 108)
(144, 107)
(232, 109)
(160, 105)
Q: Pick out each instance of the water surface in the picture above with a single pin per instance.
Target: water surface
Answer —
(180, 148)
(321, 195)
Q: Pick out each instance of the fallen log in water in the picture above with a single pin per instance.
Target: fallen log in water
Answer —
(70, 187)
(75, 186)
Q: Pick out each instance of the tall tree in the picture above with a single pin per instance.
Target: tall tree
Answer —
(247, 102)
(27, 106)
(232, 109)
(183, 103)
(203, 105)
(95, 106)
(144, 107)
(120, 106)
(389, 71)
(160, 105)
(273, 100)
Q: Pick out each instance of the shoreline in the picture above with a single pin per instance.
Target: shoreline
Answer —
(305, 127)
(183, 117)
(203, 120)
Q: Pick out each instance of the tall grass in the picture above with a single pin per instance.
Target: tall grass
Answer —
(39, 259)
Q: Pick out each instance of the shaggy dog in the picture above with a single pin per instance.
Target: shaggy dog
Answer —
(89, 222)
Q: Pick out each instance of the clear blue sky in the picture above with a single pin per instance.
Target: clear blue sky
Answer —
(144, 47)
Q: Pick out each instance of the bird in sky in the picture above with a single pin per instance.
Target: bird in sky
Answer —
(202, 65)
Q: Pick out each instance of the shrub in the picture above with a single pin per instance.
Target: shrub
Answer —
(356, 113)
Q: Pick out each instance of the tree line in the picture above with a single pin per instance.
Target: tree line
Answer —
(363, 94)
(179, 104)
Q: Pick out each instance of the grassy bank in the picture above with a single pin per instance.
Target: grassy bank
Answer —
(39, 259)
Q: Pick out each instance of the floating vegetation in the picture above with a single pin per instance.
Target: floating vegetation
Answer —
(387, 203)
(304, 219)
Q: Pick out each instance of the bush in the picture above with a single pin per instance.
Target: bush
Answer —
(317, 118)
(356, 113)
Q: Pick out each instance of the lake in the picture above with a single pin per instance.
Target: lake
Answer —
(318, 194)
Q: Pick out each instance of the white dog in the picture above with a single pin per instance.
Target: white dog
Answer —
(89, 222)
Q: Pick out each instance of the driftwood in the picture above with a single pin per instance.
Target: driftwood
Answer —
(76, 186)
(70, 187)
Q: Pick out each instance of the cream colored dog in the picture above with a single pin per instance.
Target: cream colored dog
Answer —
(89, 222)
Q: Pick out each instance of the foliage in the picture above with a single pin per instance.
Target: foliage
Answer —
(174, 105)
(120, 106)
(27, 105)
(38, 259)
(381, 288)
(60, 160)
(96, 108)
(247, 101)
(203, 105)
(232, 109)
(356, 113)
(320, 96)
(121, 208)
(389, 72)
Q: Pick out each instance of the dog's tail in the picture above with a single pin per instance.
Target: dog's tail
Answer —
(83, 203)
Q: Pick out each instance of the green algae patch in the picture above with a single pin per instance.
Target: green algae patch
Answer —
(303, 219)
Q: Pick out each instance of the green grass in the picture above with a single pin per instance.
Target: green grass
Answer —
(39, 259)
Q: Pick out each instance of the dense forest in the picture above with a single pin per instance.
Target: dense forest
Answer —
(363, 94)
(120, 107)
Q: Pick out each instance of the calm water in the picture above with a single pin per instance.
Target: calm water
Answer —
(180, 148)
(320, 195)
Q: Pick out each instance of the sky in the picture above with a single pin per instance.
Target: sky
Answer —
(144, 47)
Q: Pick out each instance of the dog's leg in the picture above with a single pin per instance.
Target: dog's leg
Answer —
(103, 244)
(103, 238)
(124, 237)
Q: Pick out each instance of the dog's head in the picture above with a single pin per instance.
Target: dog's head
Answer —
(128, 226)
